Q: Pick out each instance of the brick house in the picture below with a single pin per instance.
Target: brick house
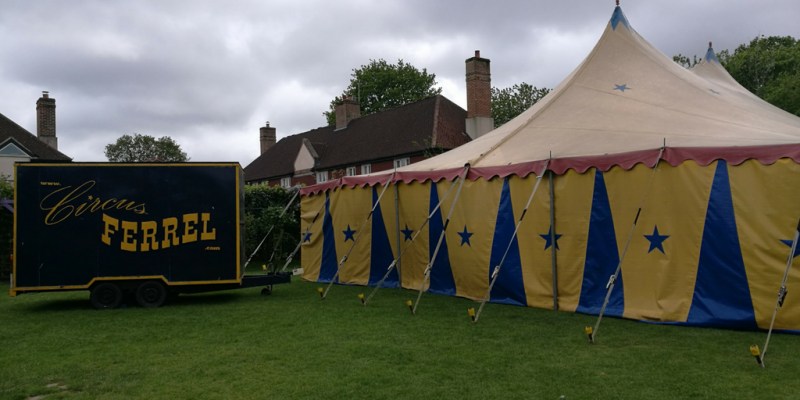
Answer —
(381, 141)
(19, 145)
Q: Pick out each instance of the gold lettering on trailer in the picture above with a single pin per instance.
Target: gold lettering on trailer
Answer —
(109, 223)
(189, 232)
(63, 203)
(170, 229)
(149, 235)
(127, 228)
(206, 235)
(149, 232)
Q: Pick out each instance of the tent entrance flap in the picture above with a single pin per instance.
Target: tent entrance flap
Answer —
(396, 262)
(496, 271)
(441, 237)
(360, 231)
(613, 278)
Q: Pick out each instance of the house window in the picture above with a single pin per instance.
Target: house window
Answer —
(322, 176)
(286, 182)
(401, 162)
(351, 171)
(366, 169)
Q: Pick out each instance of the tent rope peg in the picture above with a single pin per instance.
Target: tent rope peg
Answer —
(754, 351)
(588, 331)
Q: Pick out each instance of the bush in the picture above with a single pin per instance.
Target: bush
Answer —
(263, 206)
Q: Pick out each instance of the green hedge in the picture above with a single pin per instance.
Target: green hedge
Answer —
(263, 205)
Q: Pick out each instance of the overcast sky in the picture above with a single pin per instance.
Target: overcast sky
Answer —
(210, 73)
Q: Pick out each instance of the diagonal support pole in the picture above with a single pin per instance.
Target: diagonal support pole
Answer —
(396, 262)
(272, 227)
(496, 271)
(360, 231)
(441, 237)
(781, 293)
(613, 279)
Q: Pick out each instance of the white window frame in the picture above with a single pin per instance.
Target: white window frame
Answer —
(366, 169)
(401, 162)
(286, 182)
(350, 171)
(322, 176)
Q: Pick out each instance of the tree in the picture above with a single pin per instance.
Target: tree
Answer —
(379, 85)
(769, 67)
(509, 102)
(139, 148)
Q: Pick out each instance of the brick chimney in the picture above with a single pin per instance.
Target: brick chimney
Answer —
(46, 120)
(267, 136)
(479, 96)
(346, 110)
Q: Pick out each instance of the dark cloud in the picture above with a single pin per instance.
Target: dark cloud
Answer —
(209, 74)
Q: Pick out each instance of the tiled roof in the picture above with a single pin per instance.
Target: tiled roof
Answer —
(10, 129)
(383, 135)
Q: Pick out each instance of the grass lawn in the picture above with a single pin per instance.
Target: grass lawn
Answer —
(240, 345)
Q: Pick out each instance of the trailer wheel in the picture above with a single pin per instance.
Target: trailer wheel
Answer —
(151, 294)
(106, 295)
(266, 291)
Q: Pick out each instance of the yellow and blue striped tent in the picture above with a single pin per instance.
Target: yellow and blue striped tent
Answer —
(715, 229)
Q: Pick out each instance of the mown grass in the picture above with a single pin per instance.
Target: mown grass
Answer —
(240, 345)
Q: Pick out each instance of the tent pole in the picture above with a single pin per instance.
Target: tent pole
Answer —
(360, 231)
(396, 262)
(496, 271)
(397, 234)
(553, 242)
(302, 237)
(441, 237)
(272, 227)
(613, 278)
(781, 295)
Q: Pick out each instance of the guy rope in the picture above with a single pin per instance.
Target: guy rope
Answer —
(613, 279)
(360, 231)
(496, 271)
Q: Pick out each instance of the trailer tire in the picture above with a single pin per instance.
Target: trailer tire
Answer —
(106, 296)
(151, 294)
(266, 291)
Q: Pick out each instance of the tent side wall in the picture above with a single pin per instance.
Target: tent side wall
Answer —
(709, 248)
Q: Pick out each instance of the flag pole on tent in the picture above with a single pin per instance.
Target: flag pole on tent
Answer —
(496, 271)
(303, 236)
(439, 244)
(613, 278)
(779, 302)
(396, 262)
(360, 231)
(272, 227)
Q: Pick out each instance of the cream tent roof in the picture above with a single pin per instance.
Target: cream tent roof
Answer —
(618, 107)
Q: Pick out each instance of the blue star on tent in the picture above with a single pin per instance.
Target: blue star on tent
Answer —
(622, 88)
(348, 234)
(713, 91)
(307, 237)
(465, 236)
(407, 232)
(789, 243)
(547, 237)
(656, 240)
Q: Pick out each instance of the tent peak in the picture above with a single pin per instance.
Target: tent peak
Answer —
(617, 17)
(710, 55)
